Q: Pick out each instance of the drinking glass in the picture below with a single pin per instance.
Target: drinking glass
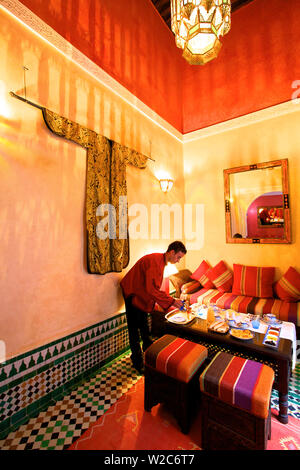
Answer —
(255, 322)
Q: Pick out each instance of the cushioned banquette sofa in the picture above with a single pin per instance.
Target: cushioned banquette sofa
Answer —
(246, 289)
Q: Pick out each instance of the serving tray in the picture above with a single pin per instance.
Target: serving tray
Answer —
(180, 318)
(272, 337)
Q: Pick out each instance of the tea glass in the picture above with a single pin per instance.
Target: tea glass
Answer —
(255, 322)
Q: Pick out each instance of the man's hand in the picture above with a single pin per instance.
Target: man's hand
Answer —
(178, 303)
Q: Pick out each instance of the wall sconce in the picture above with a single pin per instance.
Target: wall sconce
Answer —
(168, 271)
(166, 184)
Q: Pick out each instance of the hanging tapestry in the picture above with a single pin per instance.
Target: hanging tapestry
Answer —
(106, 192)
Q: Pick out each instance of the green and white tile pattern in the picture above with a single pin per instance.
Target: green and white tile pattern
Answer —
(30, 382)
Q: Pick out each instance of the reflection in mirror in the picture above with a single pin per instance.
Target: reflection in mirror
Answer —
(257, 203)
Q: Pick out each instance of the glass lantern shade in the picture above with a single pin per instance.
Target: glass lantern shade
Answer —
(198, 25)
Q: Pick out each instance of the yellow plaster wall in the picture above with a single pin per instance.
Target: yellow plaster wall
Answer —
(204, 161)
(45, 289)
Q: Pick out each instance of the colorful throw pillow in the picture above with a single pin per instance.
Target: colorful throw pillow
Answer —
(201, 275)
(253, 281)
(221, 276)
(180, 278)
(288, 287)
(190, 287)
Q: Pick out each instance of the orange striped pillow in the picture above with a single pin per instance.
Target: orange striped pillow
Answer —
(221, 276)
(288, 287)
(190, 287)
(253, 281)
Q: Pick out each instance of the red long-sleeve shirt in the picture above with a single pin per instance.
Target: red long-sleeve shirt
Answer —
(143, 282)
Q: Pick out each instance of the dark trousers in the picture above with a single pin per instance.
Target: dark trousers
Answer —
(137, 327)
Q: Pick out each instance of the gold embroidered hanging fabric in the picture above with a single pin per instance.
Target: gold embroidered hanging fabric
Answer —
(106, 182)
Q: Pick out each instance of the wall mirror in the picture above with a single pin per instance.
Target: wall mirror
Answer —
(257, 203)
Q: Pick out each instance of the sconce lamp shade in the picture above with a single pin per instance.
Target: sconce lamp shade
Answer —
(198, 25)
(166, 184)
(170, 269)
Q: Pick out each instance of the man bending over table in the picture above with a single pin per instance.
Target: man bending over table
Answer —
(141, 290)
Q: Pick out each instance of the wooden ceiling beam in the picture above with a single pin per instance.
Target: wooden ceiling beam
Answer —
(235, 5)
(164, 9)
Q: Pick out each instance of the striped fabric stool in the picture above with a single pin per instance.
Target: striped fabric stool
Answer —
(236, 403)
(172, 369)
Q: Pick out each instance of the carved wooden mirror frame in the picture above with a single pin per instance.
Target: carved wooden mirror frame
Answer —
(285, 207)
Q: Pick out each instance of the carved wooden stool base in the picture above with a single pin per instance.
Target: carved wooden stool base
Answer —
(224, 427)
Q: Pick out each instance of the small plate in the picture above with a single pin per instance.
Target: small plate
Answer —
(270, 320)
(244, 335)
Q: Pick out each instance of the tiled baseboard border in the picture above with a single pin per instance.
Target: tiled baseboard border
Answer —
(29, 383)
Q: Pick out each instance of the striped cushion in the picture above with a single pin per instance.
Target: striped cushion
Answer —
(253, 281)
(221, 276)
(175, 357)
(180, 278)
(288, 287)
(239, 382)
(201, 275)
(285, 311)
(190, 287)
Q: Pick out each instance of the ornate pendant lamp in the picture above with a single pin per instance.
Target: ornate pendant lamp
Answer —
(198, 25)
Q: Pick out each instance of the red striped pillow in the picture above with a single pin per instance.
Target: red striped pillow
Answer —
(253, 281)
(288, 287)
(221, 276)
(201, 275)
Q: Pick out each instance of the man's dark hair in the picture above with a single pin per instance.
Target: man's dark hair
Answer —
(177, 246)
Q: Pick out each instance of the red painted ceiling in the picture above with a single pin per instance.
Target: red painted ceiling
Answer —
(255, 69)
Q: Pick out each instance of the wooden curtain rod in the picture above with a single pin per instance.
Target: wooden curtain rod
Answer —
(14, 95)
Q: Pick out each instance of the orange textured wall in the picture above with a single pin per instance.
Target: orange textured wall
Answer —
(45, 290)
(128, 40)
(205, 159)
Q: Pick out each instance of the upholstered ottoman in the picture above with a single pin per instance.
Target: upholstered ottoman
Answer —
(172, 369)
(235, 403)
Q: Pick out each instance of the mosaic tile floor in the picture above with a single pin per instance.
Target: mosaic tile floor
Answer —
(62, 423)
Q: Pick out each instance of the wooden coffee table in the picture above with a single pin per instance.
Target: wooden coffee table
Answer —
(279, 359)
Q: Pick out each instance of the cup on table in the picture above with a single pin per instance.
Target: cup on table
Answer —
(210, 314)
(255, 322)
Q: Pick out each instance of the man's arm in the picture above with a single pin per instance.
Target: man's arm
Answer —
(153, 289)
